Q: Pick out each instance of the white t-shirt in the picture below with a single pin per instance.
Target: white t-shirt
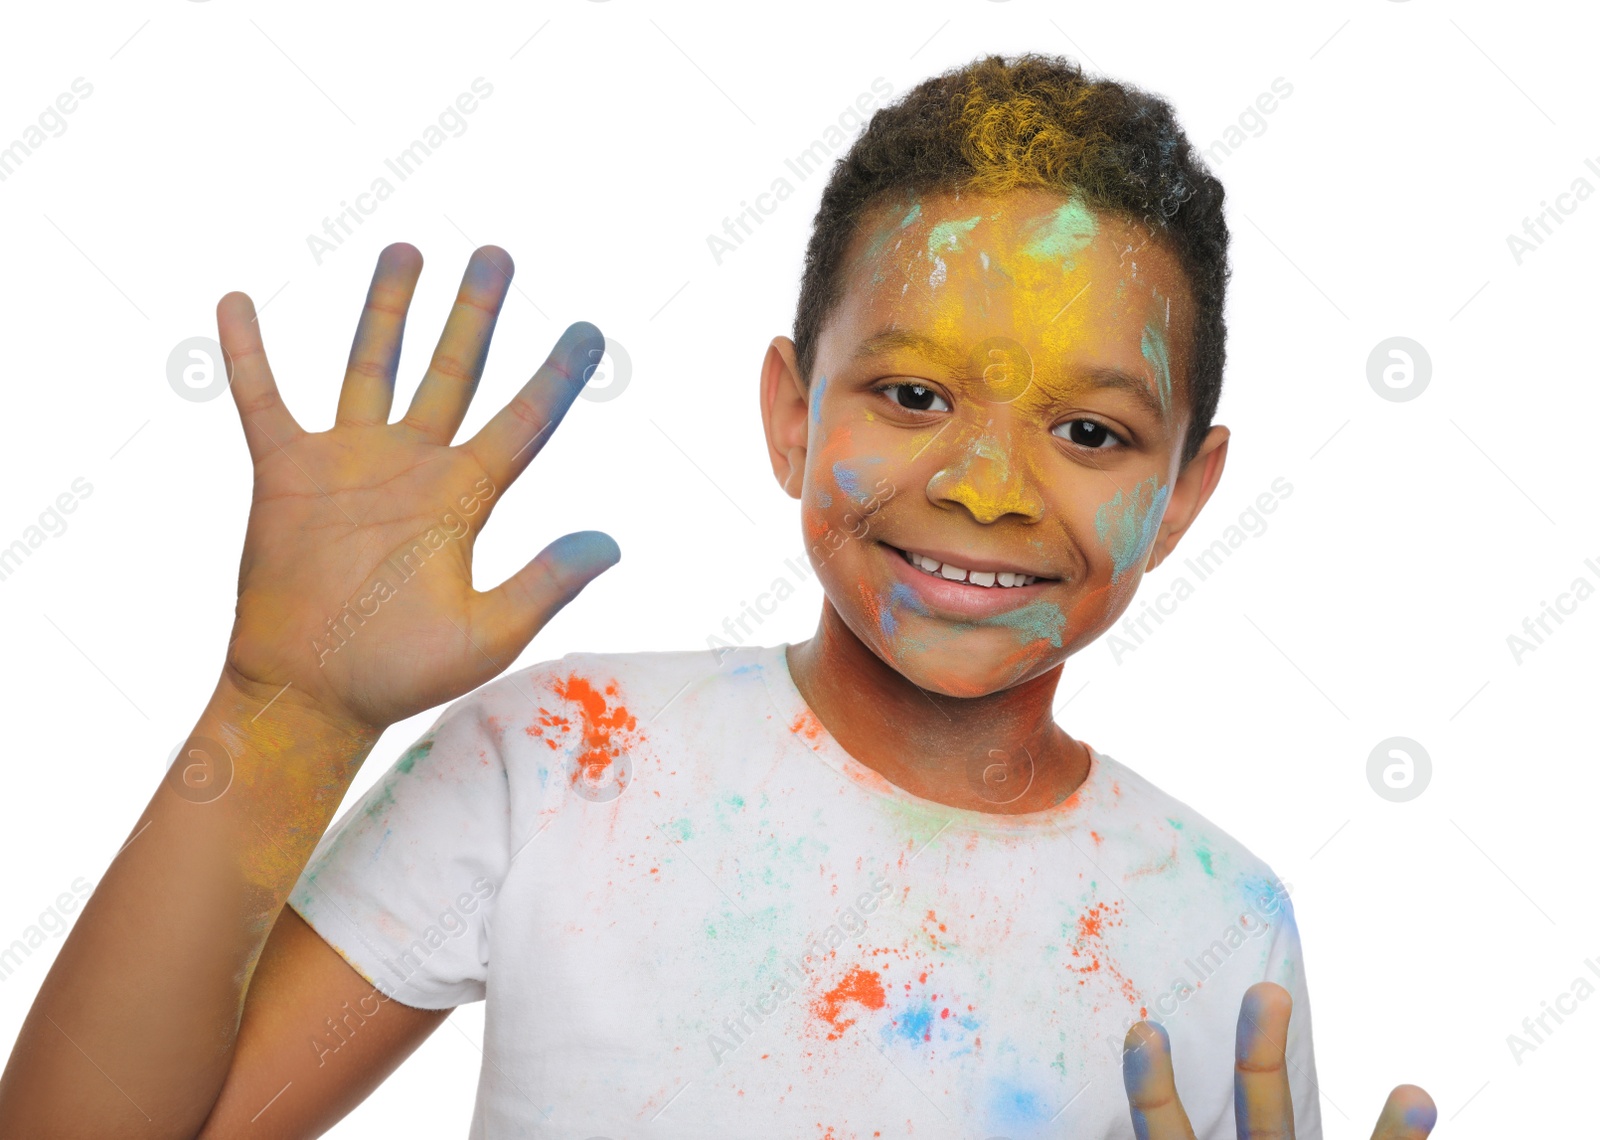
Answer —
(694, 915)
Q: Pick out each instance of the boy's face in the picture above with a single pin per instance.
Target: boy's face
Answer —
(1001, 391)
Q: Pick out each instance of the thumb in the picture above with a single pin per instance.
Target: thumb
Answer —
(509, 615)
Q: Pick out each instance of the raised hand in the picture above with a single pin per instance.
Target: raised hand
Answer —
(355, 586)
(1261, 1101)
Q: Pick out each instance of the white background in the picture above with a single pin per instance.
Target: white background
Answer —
(1376, 203)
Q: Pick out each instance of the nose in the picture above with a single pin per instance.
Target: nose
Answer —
(985, 476)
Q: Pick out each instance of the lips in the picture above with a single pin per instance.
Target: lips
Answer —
(961, 598)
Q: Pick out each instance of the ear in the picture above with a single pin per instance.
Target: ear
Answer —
(1190, 491)
(785, 415)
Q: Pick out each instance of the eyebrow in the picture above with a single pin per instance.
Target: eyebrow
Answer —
(953, 360)
(929, 348)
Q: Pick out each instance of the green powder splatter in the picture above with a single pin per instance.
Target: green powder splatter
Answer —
(1070, 228)
(1205, 860)
(416, 752)
(947, 235)
(881, 239)
(1154, 346)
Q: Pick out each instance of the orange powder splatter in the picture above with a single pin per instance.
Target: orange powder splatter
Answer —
(864, 987)
(1090, 950)
(807, 725)
(1091, 923)
(607, 729)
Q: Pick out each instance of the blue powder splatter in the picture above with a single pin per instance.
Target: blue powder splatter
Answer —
(816, 399)
(905, 597)
(849, 481)
(915, 1023)
(887, 622)
(1014, 1104)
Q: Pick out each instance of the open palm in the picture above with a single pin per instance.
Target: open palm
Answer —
(355, 585)
(1263, 1109)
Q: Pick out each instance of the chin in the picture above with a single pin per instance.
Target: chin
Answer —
(962, 662)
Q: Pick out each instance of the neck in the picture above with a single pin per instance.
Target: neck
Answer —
(1001, 753)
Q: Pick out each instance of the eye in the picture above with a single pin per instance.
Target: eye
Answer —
(1086, 433)
(916, 397)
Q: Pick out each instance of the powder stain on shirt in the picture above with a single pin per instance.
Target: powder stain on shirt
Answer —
(807, 725)
(416, 752)
(606, 728)
(860, 987)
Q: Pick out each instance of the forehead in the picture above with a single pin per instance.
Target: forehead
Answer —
(1070, 283)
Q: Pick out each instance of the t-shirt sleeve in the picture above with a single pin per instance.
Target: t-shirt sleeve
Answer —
(404, 884)
(1286, 967)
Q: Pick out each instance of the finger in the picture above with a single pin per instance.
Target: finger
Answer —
(1152, 1092)
(1262, 1107)
(1408, 1114)
(509, 615)
(441, 401)
(268, 426)
(518, 431)
(368, 391)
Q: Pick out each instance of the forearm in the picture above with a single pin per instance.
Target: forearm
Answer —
(133, 1030)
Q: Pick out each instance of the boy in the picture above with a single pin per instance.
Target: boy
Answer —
(860, 886)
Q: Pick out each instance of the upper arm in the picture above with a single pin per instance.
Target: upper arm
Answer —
(314, 1040)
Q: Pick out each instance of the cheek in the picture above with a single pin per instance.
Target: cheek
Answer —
(840, 471)
(1126, 524)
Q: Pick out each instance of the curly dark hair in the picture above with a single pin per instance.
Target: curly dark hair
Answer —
(1001, 124)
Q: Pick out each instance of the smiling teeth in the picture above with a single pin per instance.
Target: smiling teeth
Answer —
(987, 578)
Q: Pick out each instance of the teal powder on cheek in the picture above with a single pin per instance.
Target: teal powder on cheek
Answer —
(1070, 228)
(1154, 346)
(1036, 621)
(1127, 528)
(816, 399)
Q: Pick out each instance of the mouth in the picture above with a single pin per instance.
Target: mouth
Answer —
(973, 572)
